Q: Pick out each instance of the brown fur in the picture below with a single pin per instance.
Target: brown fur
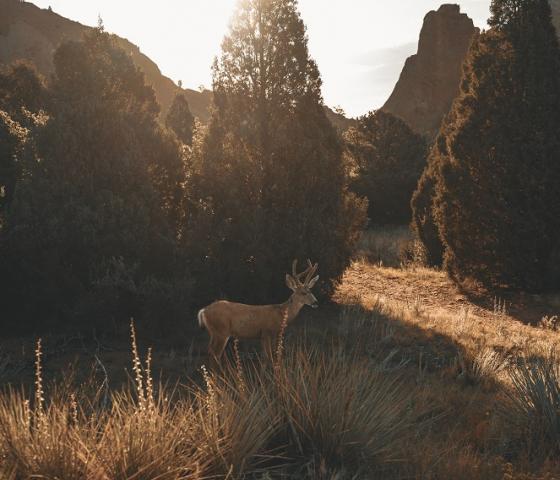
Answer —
(224, 320)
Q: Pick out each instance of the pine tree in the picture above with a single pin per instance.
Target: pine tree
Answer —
(180, 119)
(91, 232)
(22, 99)
(389, 158)
(423, 224)
(497, 158)
(270, 171)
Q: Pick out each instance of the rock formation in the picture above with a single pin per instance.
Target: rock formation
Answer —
(430, 79)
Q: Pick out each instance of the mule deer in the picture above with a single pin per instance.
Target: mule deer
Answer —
(225, 319)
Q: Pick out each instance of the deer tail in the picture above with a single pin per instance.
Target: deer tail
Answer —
(201, 319)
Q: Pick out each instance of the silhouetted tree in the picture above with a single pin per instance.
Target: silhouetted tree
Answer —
(497, 158)
(12, 138)
(180, 119)
(91, 232)
(22, 98)
(22, 91)
(423, 223)
(389, 160)
(270, 173)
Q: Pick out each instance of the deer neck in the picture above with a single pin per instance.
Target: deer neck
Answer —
(292, 307)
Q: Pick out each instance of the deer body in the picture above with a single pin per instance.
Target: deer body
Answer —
(223, 319)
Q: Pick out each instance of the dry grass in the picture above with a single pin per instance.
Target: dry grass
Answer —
(406, 378)
(314, 410)
(384, 245)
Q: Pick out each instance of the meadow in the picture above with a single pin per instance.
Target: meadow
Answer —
(401, 376)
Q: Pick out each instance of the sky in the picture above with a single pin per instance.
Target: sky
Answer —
(359, 45)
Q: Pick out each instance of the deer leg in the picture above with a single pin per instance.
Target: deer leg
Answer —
(266, 342)
(217, 346)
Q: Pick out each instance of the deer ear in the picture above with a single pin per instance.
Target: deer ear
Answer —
(312, 282)
(290, 282)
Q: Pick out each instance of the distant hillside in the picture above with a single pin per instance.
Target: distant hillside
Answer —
(430, 79)
(28, 32)
(31, 33)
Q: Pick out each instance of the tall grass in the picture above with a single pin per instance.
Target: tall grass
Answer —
(310, 411)
(532, 406)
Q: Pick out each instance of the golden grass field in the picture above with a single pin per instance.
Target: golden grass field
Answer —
(401, 376)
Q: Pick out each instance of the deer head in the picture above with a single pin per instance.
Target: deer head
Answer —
(302, 289)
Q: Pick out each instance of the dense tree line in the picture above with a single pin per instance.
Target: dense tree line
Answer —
(108, 214)
(389, 159)
(491, 190)
(90, 235)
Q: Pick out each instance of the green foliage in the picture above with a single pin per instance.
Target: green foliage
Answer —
(180, 119)
(100, 201)
(12, 140)
(423, 223)
(22, 98)
(269, 178)
(21, 91)
(389, 159)
(496, 161)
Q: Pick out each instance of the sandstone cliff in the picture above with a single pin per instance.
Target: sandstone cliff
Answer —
(430, 79)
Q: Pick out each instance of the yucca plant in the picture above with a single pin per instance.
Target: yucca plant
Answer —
(234, 420)
(340, 411)
(532, 409)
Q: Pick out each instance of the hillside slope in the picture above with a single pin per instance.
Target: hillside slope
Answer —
(30, 33)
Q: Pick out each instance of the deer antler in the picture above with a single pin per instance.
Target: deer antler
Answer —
(311, 269)
(308, 272)
(295, 275)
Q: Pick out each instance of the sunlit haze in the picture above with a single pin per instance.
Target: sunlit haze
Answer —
(359, 45)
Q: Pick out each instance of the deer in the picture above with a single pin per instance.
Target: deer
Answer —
(223, 319)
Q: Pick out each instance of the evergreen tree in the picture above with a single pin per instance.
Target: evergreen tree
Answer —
(423, 223)
(497, 158)
(12, 139)
(389, 158)
(91, 232)
(270, 172)
(22, 98)
(22, 92)
(180, 119)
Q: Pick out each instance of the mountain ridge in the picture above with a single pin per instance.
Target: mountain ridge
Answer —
(30, 33)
